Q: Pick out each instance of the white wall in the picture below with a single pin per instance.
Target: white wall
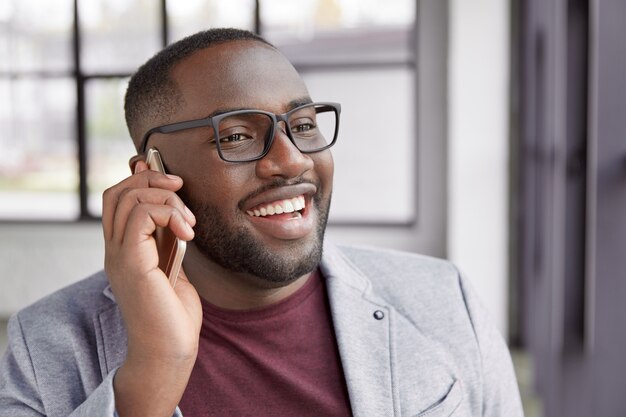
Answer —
(478, 97)
(36, 259)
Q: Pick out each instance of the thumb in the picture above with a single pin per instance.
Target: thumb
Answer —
(189, 297)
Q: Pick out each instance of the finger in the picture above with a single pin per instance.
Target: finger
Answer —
(140, 166)
(144, 179)
(129, 198)
(144, 219)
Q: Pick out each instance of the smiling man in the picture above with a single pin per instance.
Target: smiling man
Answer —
(265, 319)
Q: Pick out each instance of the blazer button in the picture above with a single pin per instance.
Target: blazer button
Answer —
(379, 315)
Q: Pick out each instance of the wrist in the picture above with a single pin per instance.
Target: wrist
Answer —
(146, 387)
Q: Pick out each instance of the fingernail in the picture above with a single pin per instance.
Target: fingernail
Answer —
(189, 212)
(189, 228)
(173, 177)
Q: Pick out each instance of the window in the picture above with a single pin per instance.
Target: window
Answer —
(64, 66)
(38, 168)
(361, 54)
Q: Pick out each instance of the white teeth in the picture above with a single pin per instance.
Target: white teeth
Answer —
(292, 205)
(296, 204)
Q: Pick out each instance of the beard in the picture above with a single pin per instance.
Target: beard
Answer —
(235, 248)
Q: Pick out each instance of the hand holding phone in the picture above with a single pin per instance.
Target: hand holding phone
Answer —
(162, 321)
(170, 248)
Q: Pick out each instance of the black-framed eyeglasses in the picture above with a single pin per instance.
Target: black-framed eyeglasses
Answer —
(247, 135)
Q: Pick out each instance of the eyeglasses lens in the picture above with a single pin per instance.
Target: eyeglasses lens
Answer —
(244, 136)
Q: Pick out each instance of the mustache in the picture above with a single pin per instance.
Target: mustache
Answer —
(277, 183)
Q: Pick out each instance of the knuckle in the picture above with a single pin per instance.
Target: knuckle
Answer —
(173, 200)
(124, 194)
(137, 212)
(141, 210)
(108, 194)
(177, 215)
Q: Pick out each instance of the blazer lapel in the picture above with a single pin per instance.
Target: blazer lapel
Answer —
(364, 337)
(110, 336)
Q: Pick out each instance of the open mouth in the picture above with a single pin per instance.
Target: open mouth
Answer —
(295, 206)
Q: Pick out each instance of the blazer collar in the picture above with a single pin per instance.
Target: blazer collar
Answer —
(364, 337)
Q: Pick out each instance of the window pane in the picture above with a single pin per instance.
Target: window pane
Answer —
(109, 143)
(285, 20)
(375, 152)
(190, 16)
(363, 32)
(38, 168)
(118, 36)
(35, 35)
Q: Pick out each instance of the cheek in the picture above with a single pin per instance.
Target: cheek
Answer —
(325, 167)
(221, 185)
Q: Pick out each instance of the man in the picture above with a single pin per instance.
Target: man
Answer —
(265, 319)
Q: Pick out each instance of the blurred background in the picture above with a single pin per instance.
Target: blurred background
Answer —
(488, 132)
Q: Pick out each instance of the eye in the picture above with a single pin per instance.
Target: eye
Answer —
(302, 127)
(232, 140)
(235, 137)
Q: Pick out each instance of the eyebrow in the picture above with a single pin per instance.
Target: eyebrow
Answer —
(290, 106)
(299, 102)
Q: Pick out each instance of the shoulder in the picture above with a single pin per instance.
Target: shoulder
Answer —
(404, 278)
(398, 263)
(58, 352)
(69, 307)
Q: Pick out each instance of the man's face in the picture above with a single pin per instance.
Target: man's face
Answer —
(277, 248)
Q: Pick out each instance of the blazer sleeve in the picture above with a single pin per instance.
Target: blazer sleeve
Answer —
(19, 391)
(500, 391)
(19, 394)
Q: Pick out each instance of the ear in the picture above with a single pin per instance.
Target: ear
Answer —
(133, 161)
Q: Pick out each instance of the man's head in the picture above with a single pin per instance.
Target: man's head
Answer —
(152, 97)
(214, 72)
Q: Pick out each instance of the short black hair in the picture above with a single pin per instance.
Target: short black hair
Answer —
(152, 95)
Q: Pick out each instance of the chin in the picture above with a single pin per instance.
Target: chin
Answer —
(238, 246)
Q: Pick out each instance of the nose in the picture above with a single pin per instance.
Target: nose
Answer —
(283, 159)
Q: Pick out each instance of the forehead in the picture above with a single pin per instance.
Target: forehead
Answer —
(237, 74)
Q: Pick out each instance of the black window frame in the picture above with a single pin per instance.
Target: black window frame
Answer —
(81, 78)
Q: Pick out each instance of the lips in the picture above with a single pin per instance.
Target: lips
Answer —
(283, 213)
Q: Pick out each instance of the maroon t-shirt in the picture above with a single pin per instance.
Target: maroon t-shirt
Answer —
(280, 360)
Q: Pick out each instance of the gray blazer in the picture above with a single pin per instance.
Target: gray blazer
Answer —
(432, 352)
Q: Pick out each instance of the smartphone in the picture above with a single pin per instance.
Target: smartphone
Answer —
(170, 248)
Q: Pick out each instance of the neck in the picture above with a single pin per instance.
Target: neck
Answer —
(233, 290)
